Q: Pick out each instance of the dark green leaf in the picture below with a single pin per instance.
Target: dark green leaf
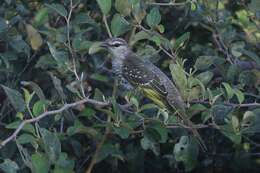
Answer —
(40, 163)
(38, 108)
(9, 166)
(60, 9)
(105, 6)
(15, 98)
(119, 25)
(52, 145)
(3, 25)
(154, 17)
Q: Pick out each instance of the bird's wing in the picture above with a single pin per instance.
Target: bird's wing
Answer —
(139, 73)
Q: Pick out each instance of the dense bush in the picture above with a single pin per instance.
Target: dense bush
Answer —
(209, 48)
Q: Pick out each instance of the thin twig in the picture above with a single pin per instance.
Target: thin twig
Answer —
(254, 104)
(53, 112)
(99, 146)
(74, 70)
(172, 56)
(167, 4)
(107, 27)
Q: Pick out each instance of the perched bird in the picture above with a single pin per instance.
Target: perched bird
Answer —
(147, 78)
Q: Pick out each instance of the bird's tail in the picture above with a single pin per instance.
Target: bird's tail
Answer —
(196, 134)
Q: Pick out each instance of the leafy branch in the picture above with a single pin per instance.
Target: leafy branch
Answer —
(53, 112)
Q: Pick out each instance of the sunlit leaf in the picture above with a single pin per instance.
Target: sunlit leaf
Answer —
(34, 37)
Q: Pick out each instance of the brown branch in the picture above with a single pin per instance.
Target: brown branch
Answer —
(53, 112)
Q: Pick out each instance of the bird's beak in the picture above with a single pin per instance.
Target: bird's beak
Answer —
(104, 45)
(96, 47)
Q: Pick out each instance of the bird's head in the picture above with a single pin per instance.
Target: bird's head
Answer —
(117, 46)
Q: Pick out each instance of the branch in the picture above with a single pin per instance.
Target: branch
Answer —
(228, 104)
(99, 146)
(168, 4)
(107, 27)
(53, 112)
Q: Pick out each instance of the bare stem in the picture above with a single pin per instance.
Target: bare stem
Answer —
(107, 27)
(168, 4)
(53, 112)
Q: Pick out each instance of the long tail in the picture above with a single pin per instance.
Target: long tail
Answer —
(196, 134)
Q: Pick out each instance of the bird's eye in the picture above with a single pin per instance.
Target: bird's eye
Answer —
(116, 44)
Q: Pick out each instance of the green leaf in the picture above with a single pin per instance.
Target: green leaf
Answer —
(229, 131)
(250, 122)
(142, 35)
(26, 138)
(27, 127)
(19, 45)
(88, 112)
(148, 144)
(9, 166)
(119, 25)
(109, 150)
(3, 25)
(179, 77)
(64, 165)
(204, 62)
(251, 55)
(122, 132)
(205, 77)
(181, 40)
(34, 37)
(41, 17)
(60, 9)
(15, 98)
(123, 7)
(240, 95)
(38, 108)
(229, 90)
(186, 151)
(105, 6)
(138, 11)
(36, 88)
(154, 17)
(232, 72)
(236, 48)
(221, 113)
(27, 96)
(60, 56)
(40, 163)
(52, 145)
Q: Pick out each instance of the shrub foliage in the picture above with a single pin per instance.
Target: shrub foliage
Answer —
(62, 110)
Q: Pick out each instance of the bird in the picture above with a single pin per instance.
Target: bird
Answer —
(149, 79)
